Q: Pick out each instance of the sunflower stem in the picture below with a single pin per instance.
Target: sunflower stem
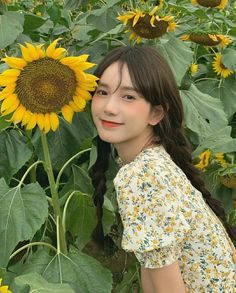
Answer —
(54, 193)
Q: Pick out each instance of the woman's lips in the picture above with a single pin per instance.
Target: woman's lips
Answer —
(110, 124)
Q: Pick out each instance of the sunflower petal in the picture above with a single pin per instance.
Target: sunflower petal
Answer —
(80, 103)
(82, 65)
(32, 122)
(12, 108)
(26, 53)
(51, 48)
(40, 121)
(11, 73)
(54, 121)
(67, 113)
(72, 60)
(33, 52)
(47, 125)
(40, 51)
(6, 92)
(74, 107)
(26, 117)
(14, 62)
(83, 94)
(18, 114)
(7, 80)
(59, 53)
(8, 102)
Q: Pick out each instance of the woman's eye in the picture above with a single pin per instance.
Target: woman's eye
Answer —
(129, 98)
(101, 92)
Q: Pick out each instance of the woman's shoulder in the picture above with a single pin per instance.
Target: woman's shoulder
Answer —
(150, 161)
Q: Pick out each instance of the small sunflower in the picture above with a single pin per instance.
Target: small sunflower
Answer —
(3, 289)
(219, 67)
(194, 68)
(220, 4)
(220, 159)
(204, 160)
(147, 24)
(206, 39)
(43, 83)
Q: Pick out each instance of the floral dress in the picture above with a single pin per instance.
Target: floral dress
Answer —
(166, 219)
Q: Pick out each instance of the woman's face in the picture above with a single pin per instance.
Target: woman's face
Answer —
(120, 113)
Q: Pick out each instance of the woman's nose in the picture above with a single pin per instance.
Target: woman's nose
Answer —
(111, 106)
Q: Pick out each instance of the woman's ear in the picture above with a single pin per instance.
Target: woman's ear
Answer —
(156, 115)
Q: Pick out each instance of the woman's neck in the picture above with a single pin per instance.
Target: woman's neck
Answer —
(128, 152)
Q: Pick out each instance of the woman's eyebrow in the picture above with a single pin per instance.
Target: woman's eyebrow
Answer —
(126, 88)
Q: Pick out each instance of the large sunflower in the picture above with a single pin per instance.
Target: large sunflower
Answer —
(147, 25)
(3, 289)
(206, 39)
(219, 67)
(220, 4)
(43, 83)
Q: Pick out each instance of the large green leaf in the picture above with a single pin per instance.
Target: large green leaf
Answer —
(38, 284)
(179, 56)
(229, 58)
(81, 218)
(11, 25)
(32, 22)
(23, 212)
(82, 272)
(224, 90)
(66, 141)
(227, 94)
(218, 141)
(14, 153)
(204, 114)
(81, 180)
(104, 18)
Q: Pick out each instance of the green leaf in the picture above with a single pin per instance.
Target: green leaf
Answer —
(80, 32)
(82, 272)
(81, 180)
(227, 94)
(66, 141)
(218, 141)
(179, 56)
(113, 31)
(104, 18)
(203, 114)
(81, 218)
(11, 24)
(14, 153)
(4, 123)
(229, 58)
(38, 284)
(225, 91)
(32, 22)
(73, 4)
(23, 213)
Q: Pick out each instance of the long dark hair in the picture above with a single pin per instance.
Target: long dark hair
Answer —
(152, 77)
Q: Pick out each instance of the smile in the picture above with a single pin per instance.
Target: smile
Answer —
(110, 124)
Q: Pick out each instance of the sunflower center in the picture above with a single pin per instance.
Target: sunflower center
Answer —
(45, 86)
(144, 29)
(209, 3)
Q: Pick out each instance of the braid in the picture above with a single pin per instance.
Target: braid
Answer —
(99, 182)
(177, 145)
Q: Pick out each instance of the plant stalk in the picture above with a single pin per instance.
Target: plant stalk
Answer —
(54, 194)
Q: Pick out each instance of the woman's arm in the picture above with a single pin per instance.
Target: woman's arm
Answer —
(167, 279)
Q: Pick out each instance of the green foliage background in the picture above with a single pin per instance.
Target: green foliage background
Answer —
(29, 255)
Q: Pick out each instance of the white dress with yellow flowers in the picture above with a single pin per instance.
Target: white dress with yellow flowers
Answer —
(166, 219)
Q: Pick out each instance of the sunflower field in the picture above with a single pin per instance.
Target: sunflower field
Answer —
(49, 50)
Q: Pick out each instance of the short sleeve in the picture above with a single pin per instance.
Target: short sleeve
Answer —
(151, 212)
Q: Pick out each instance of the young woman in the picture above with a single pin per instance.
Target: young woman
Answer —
(166, 211)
